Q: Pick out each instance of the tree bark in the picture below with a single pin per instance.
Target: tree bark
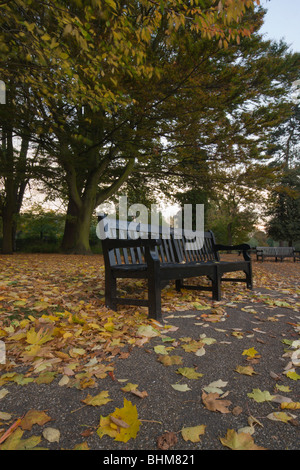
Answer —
(81, 207)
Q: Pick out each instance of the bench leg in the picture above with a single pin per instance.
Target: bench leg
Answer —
(178, 284)
(249, 278)
(154, 297)
(216, 285)
(110, 291)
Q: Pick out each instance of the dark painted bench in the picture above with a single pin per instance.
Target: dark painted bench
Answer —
(277, 252)
(160, 260)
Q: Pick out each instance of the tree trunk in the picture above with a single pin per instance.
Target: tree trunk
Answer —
(229, 233)
(8, 231)
(82, 204)
(68, 241)
(76, 238)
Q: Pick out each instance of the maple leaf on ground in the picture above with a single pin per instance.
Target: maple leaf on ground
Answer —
(39, 337)
(291, 374)
(170, 360)
(245, 370)
(189, 372)
(122, 424)
(193, 433)
(98, 400)
(213, 402)
(250, 353)
(239, 441)
(260, 396)
(34, 417)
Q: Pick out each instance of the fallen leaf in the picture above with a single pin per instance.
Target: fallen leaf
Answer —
(129, 387)
(161, 349)
(3, 393)
(293, 375)
(281, 416)
(215, 387)
(193, 433)
(127, 415)
(170, 360)
(148, 331)
(245, 370)
(290, 405)
(82, 446)
(213, 402)
(97, 400)
(15, 441)
(34, 417)
(260, 396)
(5, 416)
(239, 441)
(250, 352)
(166, 441)
(189, 372)
(51, 434)
(181, 387)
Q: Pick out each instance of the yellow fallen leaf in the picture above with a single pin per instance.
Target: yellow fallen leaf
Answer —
(280, 416)
(290, 405)
(250, 352)
(128, 416)
(189, 372)
(97, 400)
(193, 433)
(15, 441)
(245, 370)
(39, 337)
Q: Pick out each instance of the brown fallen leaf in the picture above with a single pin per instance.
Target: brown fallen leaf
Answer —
(166, 441)
(213, 403)
(139, 394)
(237, 410)
(34, 417)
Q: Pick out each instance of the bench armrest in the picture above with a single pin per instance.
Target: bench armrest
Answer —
(244, 247)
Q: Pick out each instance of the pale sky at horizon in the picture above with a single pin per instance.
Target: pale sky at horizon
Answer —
(282, 21)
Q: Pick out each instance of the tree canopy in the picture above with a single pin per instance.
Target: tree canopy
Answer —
(153, 90)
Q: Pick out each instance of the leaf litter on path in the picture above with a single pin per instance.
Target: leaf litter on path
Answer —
(63, 331)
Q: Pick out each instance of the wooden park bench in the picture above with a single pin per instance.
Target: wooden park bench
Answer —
(160, 260)
(278, 252)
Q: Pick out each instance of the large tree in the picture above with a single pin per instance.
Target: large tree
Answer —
(111, 79)
(86, 63)
(284, 209)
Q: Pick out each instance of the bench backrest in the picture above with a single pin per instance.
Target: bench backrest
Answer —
(285, 250)
(196, 247)
(276, 250)
(191, 247)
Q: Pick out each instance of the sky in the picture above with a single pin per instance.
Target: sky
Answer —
(282, 21)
